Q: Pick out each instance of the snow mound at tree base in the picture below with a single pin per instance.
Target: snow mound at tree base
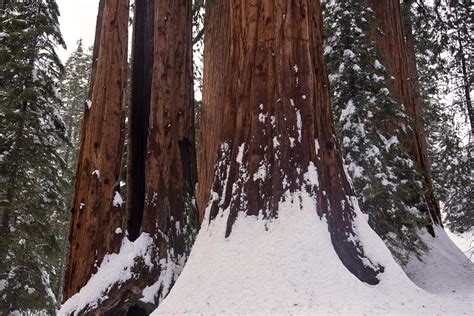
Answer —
(444, 269)
(288, 265)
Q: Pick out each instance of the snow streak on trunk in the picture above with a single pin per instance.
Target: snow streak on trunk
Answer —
(278, 137)
(94, 215)
(400, 59)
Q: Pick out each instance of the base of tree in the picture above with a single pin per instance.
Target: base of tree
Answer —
(288, 265)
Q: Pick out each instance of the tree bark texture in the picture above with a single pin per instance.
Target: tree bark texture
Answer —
(216, 69)
(170, 170)
(399, 54)
(94, 217)
(162, 156)
(276, 116)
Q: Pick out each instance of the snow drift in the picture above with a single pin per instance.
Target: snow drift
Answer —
(288, 265)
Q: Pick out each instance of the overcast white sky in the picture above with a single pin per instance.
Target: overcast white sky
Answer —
(77, 21)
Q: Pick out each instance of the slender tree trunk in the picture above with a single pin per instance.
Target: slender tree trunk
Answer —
(466, 86)
(95, 218)
(417, 113)
(6, 214)
(276, 121)
(416, 110)
(216, 63)
(400, 59)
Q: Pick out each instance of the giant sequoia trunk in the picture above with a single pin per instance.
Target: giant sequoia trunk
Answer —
(400, 59)
(95, 216)
(162, 157)
(276, 137)
(162, 217)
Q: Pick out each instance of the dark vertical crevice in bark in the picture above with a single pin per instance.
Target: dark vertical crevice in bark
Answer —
(139, 111)
(187, 159)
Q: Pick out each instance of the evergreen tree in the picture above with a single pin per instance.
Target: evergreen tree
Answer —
(456, 22)
(371, 128)
(436, 44)
(74, 90)
(452, 167)
(31, 169)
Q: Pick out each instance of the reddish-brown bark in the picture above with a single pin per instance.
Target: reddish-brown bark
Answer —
(94, 217)
(171, 154)
(275, 113)
(161, 152)
(216, 61)
(397, 46)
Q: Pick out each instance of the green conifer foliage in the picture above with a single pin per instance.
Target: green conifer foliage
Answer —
(371, 128)
(31, 170)
(441, 41)
(74, 90)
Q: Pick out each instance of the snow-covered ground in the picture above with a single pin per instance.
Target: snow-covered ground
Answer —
(464, 241)
(289, 266)
(446, 270)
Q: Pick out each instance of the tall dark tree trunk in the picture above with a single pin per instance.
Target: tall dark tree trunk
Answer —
(400, 59)
(162, 157)
(276, 120)
(139, 111)
(95, 218)
(465, 80)
(415, 110)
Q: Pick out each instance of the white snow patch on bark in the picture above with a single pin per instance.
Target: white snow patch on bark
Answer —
(240, 154)
(299, 125)
(118, 201)
(261, 173)
(311, 176)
